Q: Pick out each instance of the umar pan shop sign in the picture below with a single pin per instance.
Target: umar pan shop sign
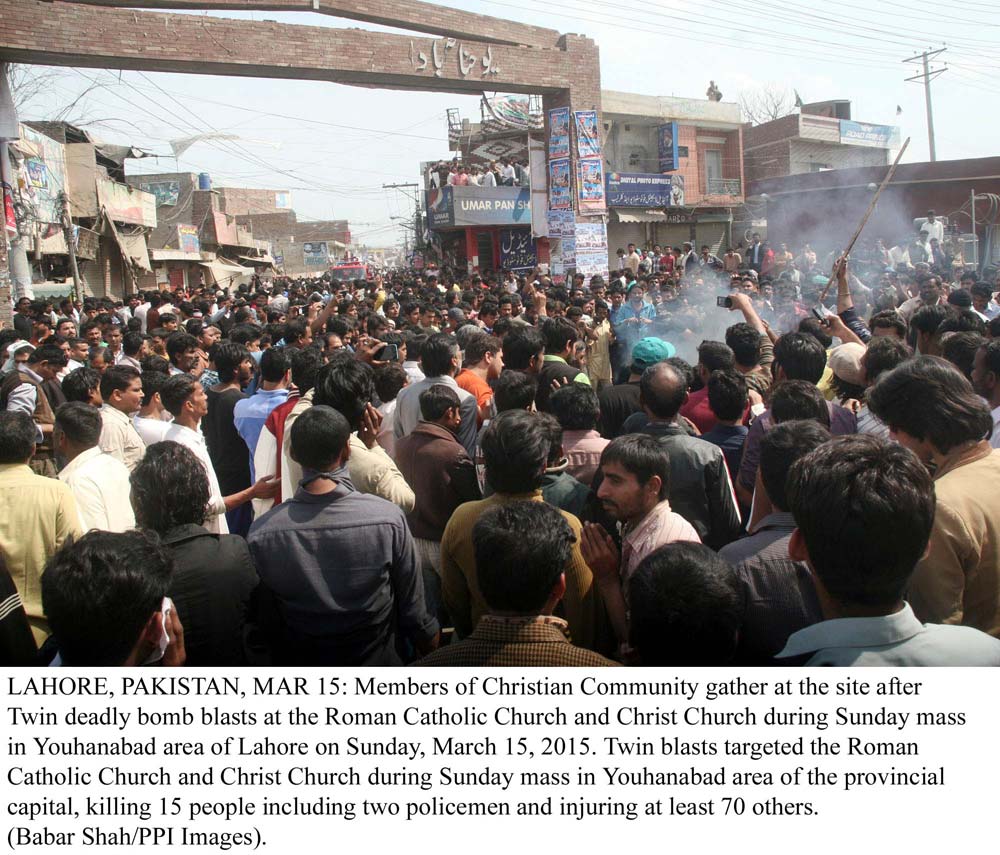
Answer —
(454, 207)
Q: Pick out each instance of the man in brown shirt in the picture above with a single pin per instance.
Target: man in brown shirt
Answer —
(24, 391)
(932, 409)
(521, 549)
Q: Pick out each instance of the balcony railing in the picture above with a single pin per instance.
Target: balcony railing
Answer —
(723, 187)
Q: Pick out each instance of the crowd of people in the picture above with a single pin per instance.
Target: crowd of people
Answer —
(505, 172)
(694, 462)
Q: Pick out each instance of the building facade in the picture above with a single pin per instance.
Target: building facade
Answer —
(674, 170)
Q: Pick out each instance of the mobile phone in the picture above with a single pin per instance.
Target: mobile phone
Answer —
(387, 353)
(724, 302)
(164, 641)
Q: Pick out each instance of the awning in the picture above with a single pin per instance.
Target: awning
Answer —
(641, 217)
(225, 274)
(174, 255)
(261, 259)
(133, 247)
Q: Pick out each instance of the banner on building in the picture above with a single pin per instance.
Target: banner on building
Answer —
(315, 254)
(560, 185)
(588, 135)
(666, 145)
(590, 185)
(478, 206)
(558, 133)
(187, 239)
(166, 192)
(645, 190)
(439, 208)
(518, 251)
(872, 136)
(42, 176)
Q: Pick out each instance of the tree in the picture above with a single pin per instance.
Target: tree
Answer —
(765, 104)
(30, 83)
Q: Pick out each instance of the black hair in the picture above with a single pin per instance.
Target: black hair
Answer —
(780, 447)
(169, 488)
(100, 591)
(883, 354)
(295, 330)
(745, 343)
(80, 384)
(961, 299)
(389, 380)
(576, 406)
(478, 346)
(154, 364)
(319, 437)
(50, 353)
(662, 390)
(793, 400)
(684, 368)
(132, 343)
(979, 289)
(801, 357)
(436, 400)
(960, 350)
(727, 394)
(347, 385)
(117, 378)
(520, 346)
(273, 364)
(305, 367)
(641, 455)
(152, 382)
(715, 355)
(928, 398)
(437, 353)
(965, 321)
(888, 319)
(80, 423)
(17, 436)
(245, 333)
(813, 327)
(865, 509)
(175, 391)
(521, 550)
(515, 390)
(553, 431)
(557, 334)
(228, 356)
(685, 607)
(179, 343)
(515, 448)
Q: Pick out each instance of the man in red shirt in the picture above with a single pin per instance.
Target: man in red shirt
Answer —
(483, 363)
(712, 356)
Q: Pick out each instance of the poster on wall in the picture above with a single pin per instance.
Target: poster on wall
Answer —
(591, 237)
(559, 133)
(559, 184)
(187, 239)
(590, 184)
(315, 254)
(588, 137)
(166, 192)
(666, 144)
(283, 200)
(561, 223)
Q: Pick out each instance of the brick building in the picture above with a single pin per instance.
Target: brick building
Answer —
(685, 193)
(299, 247)
(822, 136)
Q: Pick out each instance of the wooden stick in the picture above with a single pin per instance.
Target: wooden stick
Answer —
(864, 219)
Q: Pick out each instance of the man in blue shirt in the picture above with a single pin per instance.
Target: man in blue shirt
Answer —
(633, 321)
(340, 567)
(251, 413)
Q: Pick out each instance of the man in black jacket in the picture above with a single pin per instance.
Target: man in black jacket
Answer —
(700, 488)
(560, 336)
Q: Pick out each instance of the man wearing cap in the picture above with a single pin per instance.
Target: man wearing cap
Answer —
(621, 401)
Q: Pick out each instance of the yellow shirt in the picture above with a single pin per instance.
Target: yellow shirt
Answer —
(37, 515)
(581, 606)
(599, 354)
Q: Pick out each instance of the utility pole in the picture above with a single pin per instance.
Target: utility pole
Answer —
(407, 189)
(927, 75)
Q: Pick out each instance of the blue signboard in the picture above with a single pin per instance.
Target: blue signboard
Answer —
(859, 133)
(478, 206)
(645, 190)
(517, 250)
(666, 144)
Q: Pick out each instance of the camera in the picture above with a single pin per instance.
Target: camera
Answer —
(724, 302)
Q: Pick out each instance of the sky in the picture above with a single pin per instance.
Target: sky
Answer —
(335, 146)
